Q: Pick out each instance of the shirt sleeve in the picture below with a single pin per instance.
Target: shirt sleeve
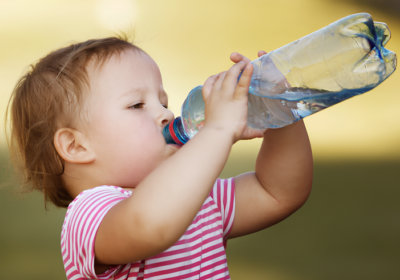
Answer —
(223, 194)
(81, 223)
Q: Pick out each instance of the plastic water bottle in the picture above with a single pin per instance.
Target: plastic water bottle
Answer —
(344, 59)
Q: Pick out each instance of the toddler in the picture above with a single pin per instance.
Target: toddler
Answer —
(86, 130)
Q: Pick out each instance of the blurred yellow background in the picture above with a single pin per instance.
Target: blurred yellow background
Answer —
(350, 226)
(191, 40)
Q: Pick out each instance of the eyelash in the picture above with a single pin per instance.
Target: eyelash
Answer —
(140, 106)
(136, 106)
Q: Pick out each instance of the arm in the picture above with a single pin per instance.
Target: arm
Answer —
(164, 204)
(282, 179)
(280, 184)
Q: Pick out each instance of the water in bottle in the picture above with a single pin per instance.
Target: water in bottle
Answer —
(344, 59)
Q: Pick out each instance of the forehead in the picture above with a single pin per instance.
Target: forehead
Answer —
(127, 62)
(123, 72)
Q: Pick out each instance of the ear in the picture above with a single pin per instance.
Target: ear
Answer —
(73, 146)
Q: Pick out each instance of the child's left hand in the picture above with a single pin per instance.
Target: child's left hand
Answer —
(248, 133)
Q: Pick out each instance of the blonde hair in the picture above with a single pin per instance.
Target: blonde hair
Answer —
(46, 98)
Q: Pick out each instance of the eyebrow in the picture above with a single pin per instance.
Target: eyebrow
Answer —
(132, 91)
(140, 90)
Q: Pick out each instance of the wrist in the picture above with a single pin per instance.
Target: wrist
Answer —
(220, 133)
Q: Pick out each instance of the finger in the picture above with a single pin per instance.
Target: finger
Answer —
(220, 79)
(231, 77)
(236, 57)
(208, 85)
(261, 53)
(242, 87)
(250, 133)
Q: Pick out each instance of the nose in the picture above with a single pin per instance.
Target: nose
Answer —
(165, 116)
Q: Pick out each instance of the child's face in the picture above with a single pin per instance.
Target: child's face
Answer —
(127, 111)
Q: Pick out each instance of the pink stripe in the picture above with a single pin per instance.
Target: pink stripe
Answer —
(75, 228)
(69, 266)
(79, 226)
(122, 274)
(203, 208)
(79, 214)
(200, 226)
(87, 265)
(210, 266)
(185, 276)
(73, 273)
(73, 235)
(174, 270)
(178, 251)
(188, 240)
(216, 255)
(228, 212)
(185, 267)
(225, 187)
(97, 219)
(231, 208)
(214, 273)
(218, 196)
(91, 201)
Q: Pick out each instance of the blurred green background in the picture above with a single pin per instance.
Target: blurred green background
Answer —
(350, 226)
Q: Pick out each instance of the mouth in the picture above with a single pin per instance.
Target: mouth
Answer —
(175, 145)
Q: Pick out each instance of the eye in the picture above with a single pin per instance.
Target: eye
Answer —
(136, 106)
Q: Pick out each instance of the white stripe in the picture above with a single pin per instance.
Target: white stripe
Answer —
(228, 209)
(67, 263)
(200, 230)
(93, 214)
(168, 258)
(175, 274)
(222, 191)
(72, 269)
(90, 213)
(212, 243)
(203, 212)
(83, 211)
(74, 239)
(213, 252)
(219, 276)
(74, 277)
(205, 237)
(230, 222)
(228, 200)
(174, 265)
(203, 273)
(204, 264)
(204, 219)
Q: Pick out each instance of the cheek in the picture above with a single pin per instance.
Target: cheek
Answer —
(136, 160)
(127, 149)
(135, 145)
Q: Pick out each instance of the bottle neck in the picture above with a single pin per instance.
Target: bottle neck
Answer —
(174, 133)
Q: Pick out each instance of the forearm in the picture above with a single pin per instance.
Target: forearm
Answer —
(284, 165)
(173, 193)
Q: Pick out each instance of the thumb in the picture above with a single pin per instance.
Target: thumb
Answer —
(208, 85)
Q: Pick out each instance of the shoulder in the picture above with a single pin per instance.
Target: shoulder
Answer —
(94, 200)
(223, 191)
(82, 220)
(223, 195)
(101, 190)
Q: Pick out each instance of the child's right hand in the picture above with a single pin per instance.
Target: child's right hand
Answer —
(226, 100)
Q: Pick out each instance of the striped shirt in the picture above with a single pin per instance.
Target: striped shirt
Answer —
(198, 254)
